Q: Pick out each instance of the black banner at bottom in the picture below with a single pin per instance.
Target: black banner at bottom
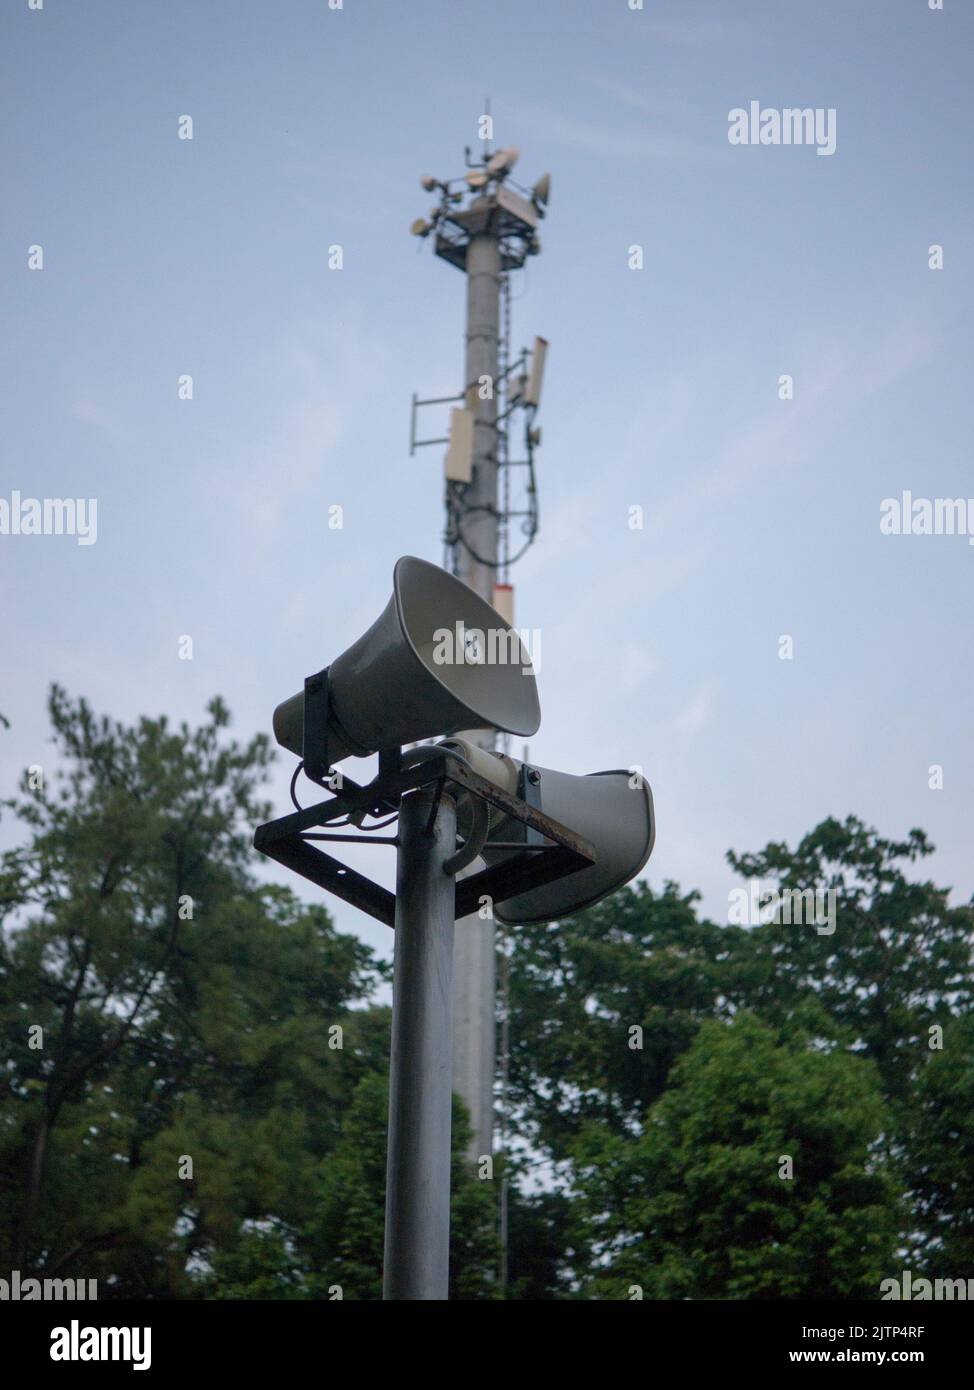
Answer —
(175, 1338)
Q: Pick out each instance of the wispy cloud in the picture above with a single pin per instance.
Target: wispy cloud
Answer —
(693, 31)
(784, 431)
(622, 142)
(697, 713)
(94, 413)
(323, 376)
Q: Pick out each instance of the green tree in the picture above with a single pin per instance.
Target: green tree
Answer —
(345, 1238)
(171, 1074)
(545, 1244)
(194, 1086)
(337, 1251)
(940, 1147)
(580, 987)
(696, 1206)
(898, 961)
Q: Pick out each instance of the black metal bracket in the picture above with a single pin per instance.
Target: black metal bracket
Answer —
(314, 743)
(529, 790)
(553, 852)
(390, 761)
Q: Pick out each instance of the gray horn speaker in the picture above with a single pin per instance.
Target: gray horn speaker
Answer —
(439, 659)
(617, 818)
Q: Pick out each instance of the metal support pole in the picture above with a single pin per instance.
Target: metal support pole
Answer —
(417, 1233)
(473, 1014)
(480, 360)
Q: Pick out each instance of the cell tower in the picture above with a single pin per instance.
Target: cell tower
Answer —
(486, 225)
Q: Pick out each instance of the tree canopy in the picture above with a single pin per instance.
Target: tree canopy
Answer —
(194, 1094)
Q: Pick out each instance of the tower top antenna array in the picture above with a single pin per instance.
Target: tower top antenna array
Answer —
(486, 216)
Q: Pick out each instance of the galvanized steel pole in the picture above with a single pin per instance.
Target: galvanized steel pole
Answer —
(417, 1232)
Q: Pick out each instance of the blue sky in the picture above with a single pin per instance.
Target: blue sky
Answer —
(311, 128)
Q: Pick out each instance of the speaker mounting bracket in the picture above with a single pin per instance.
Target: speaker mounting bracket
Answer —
(529, 790)
(553, 851)
(314, 745)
